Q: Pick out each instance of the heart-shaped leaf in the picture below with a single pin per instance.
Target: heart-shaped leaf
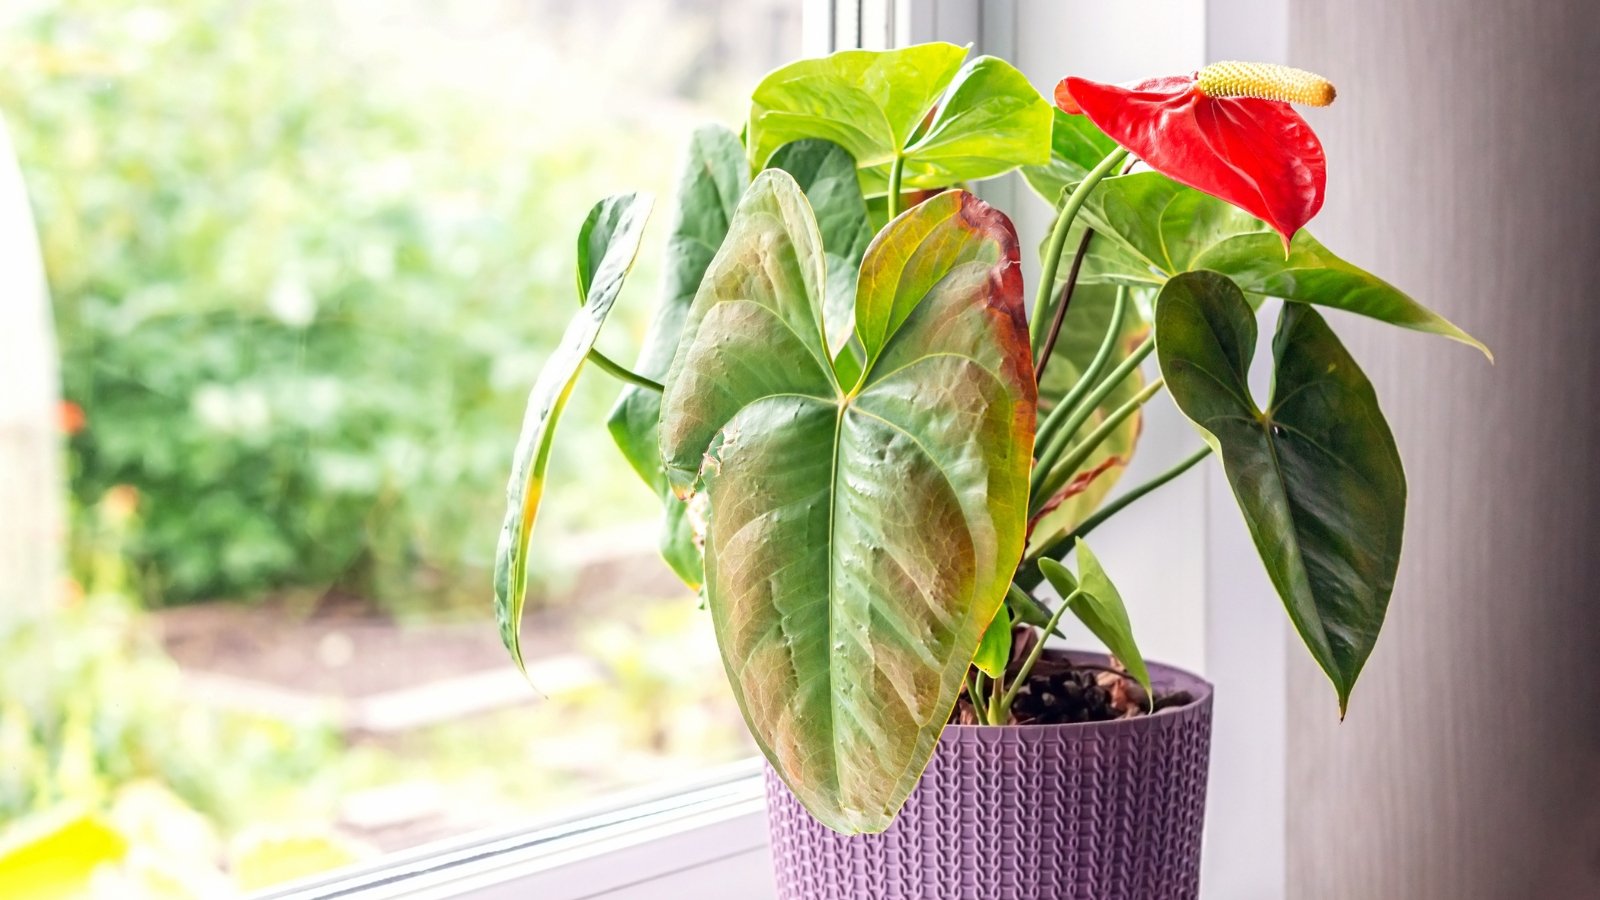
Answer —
(1151, 228)
(603, 264)
(1077, 145)
(1316, 473)
(860, 535)
(986, 118)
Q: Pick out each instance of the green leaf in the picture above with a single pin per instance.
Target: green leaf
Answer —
(1099, 607)
(1076, 146)
(860, 539)
(713, 177)
(608, 222)
(994, 651)
(827, 175)
(1096, 603)
(1088, 319)
(1158, 228)
(1316, 474)
(621, 220)
(987, 119)
(1059, 576)
(1027, 610)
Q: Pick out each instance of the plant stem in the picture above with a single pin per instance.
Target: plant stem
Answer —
(895, 167)
(1061, 307)
(616, 369)
(1034, 654)
(1117, 505)
(1058, 239)
(1049, 429)
(976, 698)
(998, 714)
(1057, 442)
(1080, 453)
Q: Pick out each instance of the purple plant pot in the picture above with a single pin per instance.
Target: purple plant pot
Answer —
(1093, 811)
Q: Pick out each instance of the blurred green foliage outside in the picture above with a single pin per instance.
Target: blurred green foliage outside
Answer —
(303, 281)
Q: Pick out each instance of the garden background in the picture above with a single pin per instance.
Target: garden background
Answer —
(305, 260)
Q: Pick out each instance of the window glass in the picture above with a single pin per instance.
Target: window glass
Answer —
(306, 259)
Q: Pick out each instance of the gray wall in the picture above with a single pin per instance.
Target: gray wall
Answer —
(1464, 161)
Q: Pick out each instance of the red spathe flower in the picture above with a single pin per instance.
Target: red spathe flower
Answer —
(1227, 129)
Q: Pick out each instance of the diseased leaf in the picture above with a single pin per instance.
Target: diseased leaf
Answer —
(713, 178)
(994, 651)
(987, 119)
(1316, 473)
(1150, 228)
(621, 218)
(1077, 145)
(860, 536)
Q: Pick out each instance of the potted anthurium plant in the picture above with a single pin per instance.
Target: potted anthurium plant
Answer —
(881, 470)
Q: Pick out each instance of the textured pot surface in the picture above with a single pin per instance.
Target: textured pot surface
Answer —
(1094, 811)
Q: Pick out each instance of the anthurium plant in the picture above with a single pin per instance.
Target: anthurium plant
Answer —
(874, 453)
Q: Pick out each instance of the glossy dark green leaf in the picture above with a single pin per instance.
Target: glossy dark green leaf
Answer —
(987, 118)
(713, 178)
(1157, 228)
(860, 536)
(1076, 146)
(994, 651)
(1316, 473)
(621, 219)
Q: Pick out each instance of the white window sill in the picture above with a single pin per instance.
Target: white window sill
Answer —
(708, 841)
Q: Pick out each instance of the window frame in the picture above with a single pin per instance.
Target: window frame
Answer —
(710, 832)
(1211, 609)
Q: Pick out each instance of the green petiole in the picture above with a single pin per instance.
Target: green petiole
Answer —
(1050, 429)
(617, 370)
(1058, 239)
(1057, 442)
(1010, 695)
(1058, 476)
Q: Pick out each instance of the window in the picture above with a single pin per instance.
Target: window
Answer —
(305, 260)
(299, 257)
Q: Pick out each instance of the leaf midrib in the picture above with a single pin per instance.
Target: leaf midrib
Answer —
(1262, 422)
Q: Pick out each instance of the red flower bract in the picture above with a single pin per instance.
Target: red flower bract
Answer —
(1257, 154)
